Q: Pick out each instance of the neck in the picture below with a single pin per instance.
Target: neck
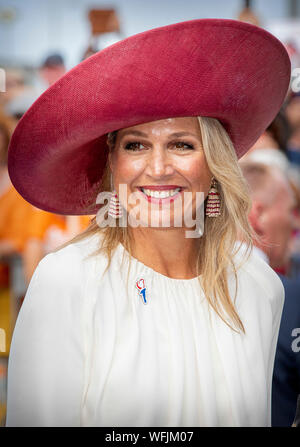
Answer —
(167, 251)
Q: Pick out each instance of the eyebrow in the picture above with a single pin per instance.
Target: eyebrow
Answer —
(133, 132)
(138, 133)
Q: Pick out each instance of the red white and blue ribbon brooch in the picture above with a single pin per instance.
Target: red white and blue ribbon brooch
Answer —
(141, 286)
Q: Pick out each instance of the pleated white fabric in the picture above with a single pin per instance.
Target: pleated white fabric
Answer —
(87, 351)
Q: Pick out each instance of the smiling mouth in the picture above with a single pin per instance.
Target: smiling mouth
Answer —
(161, 192)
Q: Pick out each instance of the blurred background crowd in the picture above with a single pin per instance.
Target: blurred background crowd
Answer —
(271, 167)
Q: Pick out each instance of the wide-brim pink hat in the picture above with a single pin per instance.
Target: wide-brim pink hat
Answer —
(226, 69)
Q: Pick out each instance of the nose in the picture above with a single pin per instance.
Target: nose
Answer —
(159, 163)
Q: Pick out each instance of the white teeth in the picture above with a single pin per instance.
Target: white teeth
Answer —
(160, 194)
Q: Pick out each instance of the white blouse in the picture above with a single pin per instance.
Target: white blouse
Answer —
(85, 352)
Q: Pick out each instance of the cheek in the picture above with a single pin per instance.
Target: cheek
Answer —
(279, 226)
(125, 168)
(282, 219)
(197, 173)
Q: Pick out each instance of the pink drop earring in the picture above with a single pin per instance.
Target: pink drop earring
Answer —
(213, 201)
(115, 208)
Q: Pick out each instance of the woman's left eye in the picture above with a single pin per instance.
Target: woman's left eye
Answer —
(183, 146)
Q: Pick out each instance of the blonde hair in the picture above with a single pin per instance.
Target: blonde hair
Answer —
(218, 243)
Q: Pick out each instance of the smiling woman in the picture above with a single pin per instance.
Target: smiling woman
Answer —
(146, 325)
(160, 162)
(161, 166)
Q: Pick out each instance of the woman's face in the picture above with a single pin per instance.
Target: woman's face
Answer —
(160, 162)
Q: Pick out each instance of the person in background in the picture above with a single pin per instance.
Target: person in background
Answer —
(272, 218)
(10, 240)
(271, 146)
(294, 268)
(7, 248)
(19, 94)
(14, 86)
(52, 68)
(293, 116)
(271, 149)
(272, 212)
(48, 231)
(24, 229)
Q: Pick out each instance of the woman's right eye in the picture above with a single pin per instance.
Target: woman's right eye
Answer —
(133, 146)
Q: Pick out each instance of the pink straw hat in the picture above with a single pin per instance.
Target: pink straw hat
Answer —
(226, 69)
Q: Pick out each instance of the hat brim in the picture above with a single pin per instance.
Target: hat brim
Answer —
(226, 69)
